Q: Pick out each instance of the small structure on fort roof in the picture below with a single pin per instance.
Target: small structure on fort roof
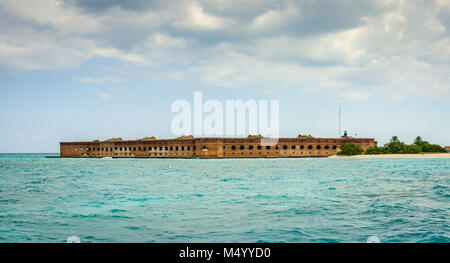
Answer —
(447, 148)
(185, 137)
(148, 138)
(259, 136)
(113, 140)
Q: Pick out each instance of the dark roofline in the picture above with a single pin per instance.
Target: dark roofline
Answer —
(225, 140)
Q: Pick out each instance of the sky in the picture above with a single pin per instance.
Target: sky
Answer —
(84, 70)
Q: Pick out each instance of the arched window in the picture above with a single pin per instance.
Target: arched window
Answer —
(334, 147)
(176, 148)
(241, 147)
(182, 148)
(250, 147)
(293, 147)
(327, 147)
(302, 147)
(233, 147)
(284, 147)
(204, 147)
(310, 147)
(259, 147)
(318, 147)
(189, 148)
(171, 148)
(268, 147)
(166, 148)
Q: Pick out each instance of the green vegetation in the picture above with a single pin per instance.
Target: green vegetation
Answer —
(427, 147)
(349, 149)
(375, 150)
(309, 136)
(395, 146)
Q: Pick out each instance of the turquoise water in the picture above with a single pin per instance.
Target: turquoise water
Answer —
(233, 200)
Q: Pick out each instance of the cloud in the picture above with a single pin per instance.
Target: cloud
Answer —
(195, 18)
(344, 49)
(275, 18)
(101, 80)
(105, 96)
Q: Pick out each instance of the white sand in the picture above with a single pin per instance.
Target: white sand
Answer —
(420, 155)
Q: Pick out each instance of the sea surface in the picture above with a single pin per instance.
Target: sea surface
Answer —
(231, 200)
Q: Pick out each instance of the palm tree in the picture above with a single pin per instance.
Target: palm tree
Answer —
(394, 139)
(418, 140)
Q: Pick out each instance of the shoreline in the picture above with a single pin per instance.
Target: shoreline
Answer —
(395, 156)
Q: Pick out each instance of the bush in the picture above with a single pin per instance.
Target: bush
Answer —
(437, 148)
(412, 149)
(374, 150)
(396, 146)
(349, 149)
(427, 147)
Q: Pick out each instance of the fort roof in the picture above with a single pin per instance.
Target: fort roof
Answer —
(113, 140)
(249, 139)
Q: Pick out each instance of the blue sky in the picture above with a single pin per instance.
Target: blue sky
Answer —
(85, 70)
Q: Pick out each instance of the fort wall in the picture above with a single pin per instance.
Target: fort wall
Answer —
(210, 148)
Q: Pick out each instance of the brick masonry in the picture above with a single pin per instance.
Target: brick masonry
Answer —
(210, 148)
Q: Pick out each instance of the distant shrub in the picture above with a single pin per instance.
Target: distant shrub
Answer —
(397, 147)
(427, 147)
(374, 150)
(394, 146)
(412, 149)
(349, 149)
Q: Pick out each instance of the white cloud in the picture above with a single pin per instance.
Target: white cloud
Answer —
(51, 13)
(105, 96)
(400, 50)
(196, 18)
(101, 80)
(275, 18)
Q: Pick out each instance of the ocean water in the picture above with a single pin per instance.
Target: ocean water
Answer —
(232, 200)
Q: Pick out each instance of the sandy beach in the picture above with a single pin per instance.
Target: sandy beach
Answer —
(419, 156)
